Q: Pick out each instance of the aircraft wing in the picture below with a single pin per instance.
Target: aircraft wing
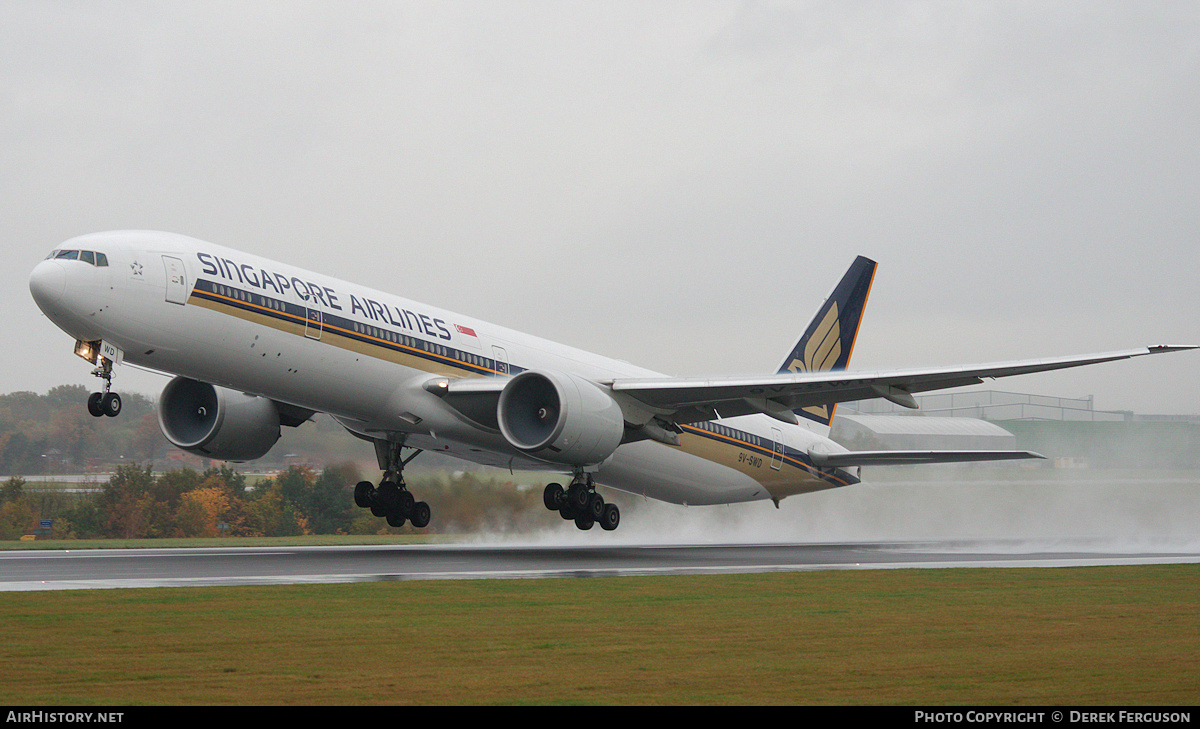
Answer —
(687, 400)
(681, 400)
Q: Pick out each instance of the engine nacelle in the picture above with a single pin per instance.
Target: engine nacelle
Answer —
(215, 422)
(561, 418)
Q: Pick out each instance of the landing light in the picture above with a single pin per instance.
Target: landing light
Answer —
(438, 386)
(88, 350)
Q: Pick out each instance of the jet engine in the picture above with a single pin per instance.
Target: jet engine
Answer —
(215, 422)
(561, 418)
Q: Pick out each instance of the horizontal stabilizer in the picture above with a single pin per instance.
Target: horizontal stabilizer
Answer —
(909, 458)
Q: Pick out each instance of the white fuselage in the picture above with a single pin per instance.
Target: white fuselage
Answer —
(182, 306)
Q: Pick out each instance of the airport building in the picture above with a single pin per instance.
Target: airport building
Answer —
(905, 433)
(998, 405)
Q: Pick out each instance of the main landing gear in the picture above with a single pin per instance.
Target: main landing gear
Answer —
(581, 502)
(392, 500)
(107, 402)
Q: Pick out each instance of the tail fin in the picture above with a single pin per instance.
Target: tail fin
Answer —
(829, 339)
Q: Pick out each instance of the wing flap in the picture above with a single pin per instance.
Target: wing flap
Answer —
(910, 458)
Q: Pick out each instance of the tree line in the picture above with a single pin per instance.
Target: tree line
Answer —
(50, 434)
(53, 433)
(136, 503)
(45, 435)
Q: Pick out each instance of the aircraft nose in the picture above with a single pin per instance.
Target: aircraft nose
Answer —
(47, 284)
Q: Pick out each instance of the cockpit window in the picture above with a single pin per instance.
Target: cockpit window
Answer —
(95, 258)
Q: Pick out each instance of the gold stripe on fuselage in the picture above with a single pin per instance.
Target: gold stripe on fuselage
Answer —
(731, 449)
(365, 342)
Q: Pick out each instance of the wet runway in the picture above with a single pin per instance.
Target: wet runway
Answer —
(93, 569)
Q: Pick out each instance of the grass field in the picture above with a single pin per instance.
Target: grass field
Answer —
(1073, 636)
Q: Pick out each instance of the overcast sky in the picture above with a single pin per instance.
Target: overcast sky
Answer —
(674, 184)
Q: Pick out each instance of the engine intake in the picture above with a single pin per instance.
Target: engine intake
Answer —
(216, 422)
(560, 418)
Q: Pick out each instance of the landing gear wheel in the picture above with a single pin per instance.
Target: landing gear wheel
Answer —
(611, 518)
(406, 503)
(420, 515)
(596, 506)
(395, 520)
(578, 497)
(364, 494)
(110, 403)
(94, 404)
(554, 497)
(387, 497)
(381, 499)
(584, 522)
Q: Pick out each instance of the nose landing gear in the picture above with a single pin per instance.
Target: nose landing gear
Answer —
(107, 402)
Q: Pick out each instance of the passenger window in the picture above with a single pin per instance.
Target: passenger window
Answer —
(87, 257)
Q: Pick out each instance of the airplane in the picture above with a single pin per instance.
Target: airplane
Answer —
(254, 344)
